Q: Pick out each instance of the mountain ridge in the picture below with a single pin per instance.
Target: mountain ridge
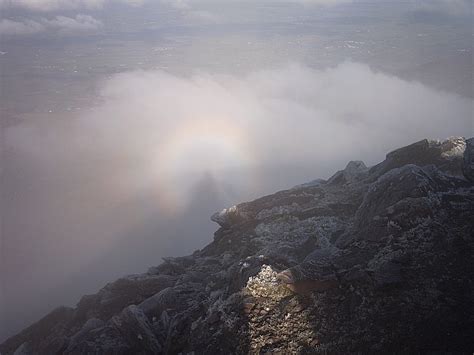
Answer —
(373, 259)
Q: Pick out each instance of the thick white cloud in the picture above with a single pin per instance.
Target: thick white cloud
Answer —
(155, 128)
(60, 24)
(91, 178)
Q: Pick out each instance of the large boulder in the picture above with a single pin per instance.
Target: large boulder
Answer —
(447, 155)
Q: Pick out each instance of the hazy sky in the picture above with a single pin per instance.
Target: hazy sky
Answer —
(126, 124)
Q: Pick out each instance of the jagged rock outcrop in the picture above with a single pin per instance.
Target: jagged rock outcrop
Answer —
(375, 259)
(468, 166)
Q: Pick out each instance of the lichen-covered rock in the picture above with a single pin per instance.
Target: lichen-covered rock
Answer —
(374, 260)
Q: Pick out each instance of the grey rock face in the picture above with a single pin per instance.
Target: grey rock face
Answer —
(468, 163)
(446, 155)
(354, 171)
(228, 216)
(375, 259)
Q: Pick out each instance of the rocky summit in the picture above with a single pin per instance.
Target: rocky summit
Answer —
(375, 259)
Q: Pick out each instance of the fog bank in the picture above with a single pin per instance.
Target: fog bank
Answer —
(94, 196)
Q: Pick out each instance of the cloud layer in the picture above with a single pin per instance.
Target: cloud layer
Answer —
(136, 179)
(167, 126)
(453, 7)
(62, 25)
(60, 5)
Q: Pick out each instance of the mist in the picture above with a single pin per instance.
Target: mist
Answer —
(97, 195)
